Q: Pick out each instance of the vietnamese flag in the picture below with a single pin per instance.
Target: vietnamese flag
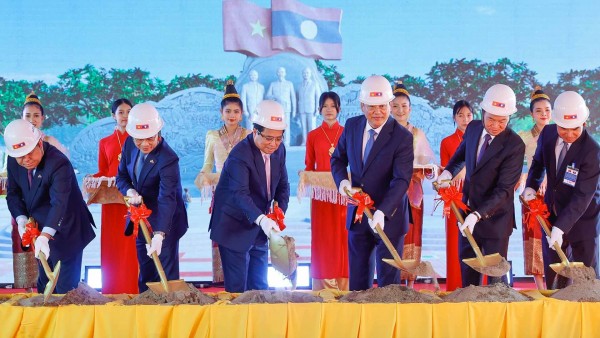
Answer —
(309, 31)
(247, 28)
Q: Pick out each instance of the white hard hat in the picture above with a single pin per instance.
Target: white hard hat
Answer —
(269, 114)
(499, 100)
(570, 110)
(143, 121)
(375, 90)
(20, 138)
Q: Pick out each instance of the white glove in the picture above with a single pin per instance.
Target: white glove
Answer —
(470, 221)
(529, 194)
(156, 245)
(378, 218)
(555, 236)
(21, 222)
(345, 184)
(267, 225)
(41, 244)
(444, 179)
(134, 197)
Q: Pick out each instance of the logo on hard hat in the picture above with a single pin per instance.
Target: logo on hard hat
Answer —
(570, 117)
(142, 126)
(498, 104)
(19, 145)
(276, 118)
(375, 94)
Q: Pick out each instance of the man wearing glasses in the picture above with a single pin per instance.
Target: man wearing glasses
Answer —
(149, 170)
(42, 185)
(253, 177)
(380, 154)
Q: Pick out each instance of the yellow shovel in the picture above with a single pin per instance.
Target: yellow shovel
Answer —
(564, 268)
(52, 275)
(164, 286)
(411, 266)
(492, 265)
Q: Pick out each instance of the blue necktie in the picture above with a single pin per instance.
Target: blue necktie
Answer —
(138, 165)
(369, 146)
(486, 143)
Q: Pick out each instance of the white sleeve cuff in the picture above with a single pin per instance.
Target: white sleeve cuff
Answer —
(50, 231)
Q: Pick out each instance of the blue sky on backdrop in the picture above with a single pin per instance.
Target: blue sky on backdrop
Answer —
(42, 39)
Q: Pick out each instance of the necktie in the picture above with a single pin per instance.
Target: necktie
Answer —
(369, 146)
(561, 156)
(486, 143)
(30, 176)
(268, 174)
(138, 165)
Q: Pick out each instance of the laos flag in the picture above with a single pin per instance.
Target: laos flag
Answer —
(309, 31)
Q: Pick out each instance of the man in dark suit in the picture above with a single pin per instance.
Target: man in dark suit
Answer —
(380, 154)
(253, 176)
(149, 170)
(493, 155)
(42, 185)
(571, 159)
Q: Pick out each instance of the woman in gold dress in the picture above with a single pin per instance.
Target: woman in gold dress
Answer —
(217, 147)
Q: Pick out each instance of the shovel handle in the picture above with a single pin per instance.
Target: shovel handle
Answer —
(380, 232)
(542, 221)
(466, 231)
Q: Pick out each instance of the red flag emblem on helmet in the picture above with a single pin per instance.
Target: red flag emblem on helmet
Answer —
(571, 117)
(498, 104)
(19, 145)
(142, 126)
(375, 94)
(276, 118)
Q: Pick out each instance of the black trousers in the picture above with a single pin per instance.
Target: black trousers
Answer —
(488, 246)
(69, 277)
(585, 251)
(365, 253)
(246, 270)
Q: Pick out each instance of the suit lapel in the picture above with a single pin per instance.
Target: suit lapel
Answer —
(131, 166)
(495, 146)
(575, 148)
(358, 142)
(381, 140)
(259, 163)
(275, 163)
(149, 163)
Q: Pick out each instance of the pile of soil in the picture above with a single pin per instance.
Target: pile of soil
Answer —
(390, 294)
(191, 296)
(498, 292)
(36, 301)
(83, 295)
(273, 297)
(580, 291)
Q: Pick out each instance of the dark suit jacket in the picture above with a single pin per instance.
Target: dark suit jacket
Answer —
(54, 200)
(577, 208)
(490, 185)
(241, 195)
(385, 176)
(160, 187)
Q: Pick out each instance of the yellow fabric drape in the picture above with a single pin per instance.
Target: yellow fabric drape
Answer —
(540, 318)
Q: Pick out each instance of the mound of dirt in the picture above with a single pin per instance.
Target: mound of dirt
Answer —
(191, 296)
(273, 297)
(36, 301)
(498, 292)
(390, 294)
(580, 291)
(83, 295)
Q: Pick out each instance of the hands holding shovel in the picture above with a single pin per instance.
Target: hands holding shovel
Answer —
(42, 252)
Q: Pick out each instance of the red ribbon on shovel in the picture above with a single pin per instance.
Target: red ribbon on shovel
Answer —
(139, 213)
(278, 216)
(451, 194)
(362, 200)
(31, 233)
(537, 207)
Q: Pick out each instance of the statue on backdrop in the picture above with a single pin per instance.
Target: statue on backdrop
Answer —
(252, 93)
(308, 103)
(283, 92)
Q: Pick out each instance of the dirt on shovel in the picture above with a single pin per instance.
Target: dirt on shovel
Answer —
(190, 296)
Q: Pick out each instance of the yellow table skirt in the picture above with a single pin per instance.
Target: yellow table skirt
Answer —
(539, 318)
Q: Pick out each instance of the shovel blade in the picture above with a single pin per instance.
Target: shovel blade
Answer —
(52, 280)
(407, 265)
(173, 285)
(492, 265)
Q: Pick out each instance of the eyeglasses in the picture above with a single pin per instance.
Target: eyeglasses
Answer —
(372, 109)
(149, 139)
(270, 139)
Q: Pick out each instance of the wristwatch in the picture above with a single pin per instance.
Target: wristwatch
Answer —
(159, 233)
